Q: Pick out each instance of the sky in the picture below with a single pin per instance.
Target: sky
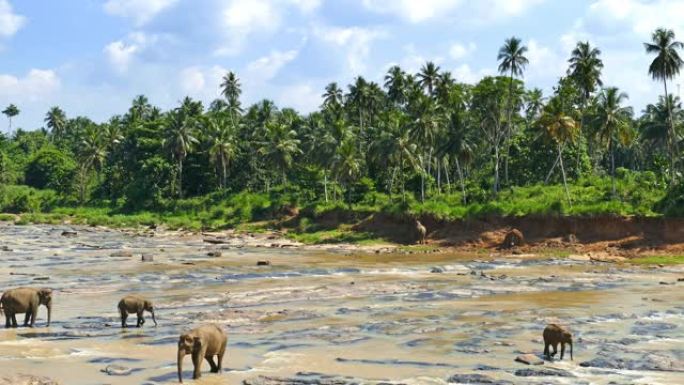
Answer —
(92, 57)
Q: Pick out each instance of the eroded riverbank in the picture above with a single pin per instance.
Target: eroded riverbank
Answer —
(322, 315)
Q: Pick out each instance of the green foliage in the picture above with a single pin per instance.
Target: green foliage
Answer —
(51, 168)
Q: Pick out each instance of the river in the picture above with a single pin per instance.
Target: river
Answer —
(323, 317)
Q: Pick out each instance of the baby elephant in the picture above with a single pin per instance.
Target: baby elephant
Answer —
(25, 300)
(204, 342)
(422, 232)
(553, 335)
(135, 304)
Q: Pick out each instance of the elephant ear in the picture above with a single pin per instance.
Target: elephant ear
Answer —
(45, 293)
(196, 342)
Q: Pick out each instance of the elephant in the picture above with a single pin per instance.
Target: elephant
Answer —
(422, 232)
(25, 300)
(553, 335)
(205, 342)
(138, 305)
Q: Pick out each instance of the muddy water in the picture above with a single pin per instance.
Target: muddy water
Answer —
(357, 318)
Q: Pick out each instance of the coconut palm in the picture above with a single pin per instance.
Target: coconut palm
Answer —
(395, 148)
(56, 121)
(92, 154)
(11, 111)
(231, 87)
(613, 121)
(281, 145)
(428, 77)
(333, 96)
(347, 165)
(179, 139)
(562, 129)
(140, 108)
(513, 62)
(665, 66)
(222, 143)
(395, 83)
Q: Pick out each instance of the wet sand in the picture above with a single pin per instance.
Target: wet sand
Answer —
(363, 318)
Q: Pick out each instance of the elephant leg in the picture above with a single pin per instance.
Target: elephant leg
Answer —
(27, 317)
(210, 360)
(562, 350)
(8, 320)
(14, 320)
(34, 311)
(124, 317)
(546, 350)
(555, 349)
(141, 319)
(221, 353)
(197, 362)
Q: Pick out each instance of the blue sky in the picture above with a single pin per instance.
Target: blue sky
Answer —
(91, 57)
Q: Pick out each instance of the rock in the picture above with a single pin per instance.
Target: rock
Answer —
(680, 279)
(529, 359)
(69, 233)
(121, 254)
(301, 380)
(215, 253)
(117, 370)
(5, 248)
(513, 238)
(263, 263)
(648, 361)
(543, 372)
(147, 258)
(41, 279)
(476, 379)
(437, 270)
(26, 379)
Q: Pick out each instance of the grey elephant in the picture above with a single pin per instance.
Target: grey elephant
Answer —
(25, 300)
(204, 342)
(556, 334)
(422, 232)
(135, 304)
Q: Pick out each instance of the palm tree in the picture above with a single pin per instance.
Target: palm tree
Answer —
(347, 165)
(92, 154)
(179, 139)
(613, 122)
(222, 143)
(231, 87)
(666, 65)
(562, 129)
(395, 147)
(281, 145)
(56, 121)
(11, 111)
(333, 96)
(140, 108)
(395, 83)
(655, 121)
(428, 76)
(512, 61)
(585, 70)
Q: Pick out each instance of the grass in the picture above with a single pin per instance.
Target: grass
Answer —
(340, 235)
(659, 260)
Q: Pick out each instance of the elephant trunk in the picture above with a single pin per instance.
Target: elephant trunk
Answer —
(153, 319)
(49, 309)
(181, 354)
(571, 351)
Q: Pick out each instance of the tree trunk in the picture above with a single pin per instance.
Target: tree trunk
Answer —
(509, 124)
(548, 176)
(325, 184)
(612, 168)
(403, 182)
(496, 170)
(446, 175)
(565, 182)
(672, 140)
(422, 180)
(460, 177)
(439, 177)
(180, 178)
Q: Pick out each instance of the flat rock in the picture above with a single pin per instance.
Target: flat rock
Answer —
(69, 233)
(214, 254)
(263, 263)
(529, 359)
(147, 258)
(648, 361)
(117, 370)
(317, 380)
(26, 379)
(475, 379)
(543, 372)
(437, 270)
(121, 254)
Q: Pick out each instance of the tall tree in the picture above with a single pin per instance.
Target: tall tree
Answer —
(222, 142)
(585, 70)
(613, 120)
(395, 83)
(56, 121)
(428, 77)
(11, 111)
(179, 139)
(665, 66)
(281, 145)
(512, 61)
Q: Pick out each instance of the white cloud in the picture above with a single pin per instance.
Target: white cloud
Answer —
(641, 16)
(192, 81)
(36, 85)
(355, 40)
(465, 74)
(121, 53)
(245, 18)
(268, 66)
(141, 11)
(306, 6)
(302, 97)
(411, 10)
(10, 22)
(459, 51)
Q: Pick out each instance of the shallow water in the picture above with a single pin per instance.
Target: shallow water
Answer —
(372, 318)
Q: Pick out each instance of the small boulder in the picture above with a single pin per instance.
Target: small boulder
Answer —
(121, 254)
(543, 372)
(529, 359)
(263, 263)
(475, 379)
(5, 248)
(513, 239)
(69, 233)
(117, 370)
(436, 270)
(215, 254)
(147, 258)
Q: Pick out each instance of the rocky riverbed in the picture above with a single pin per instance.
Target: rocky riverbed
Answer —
(334, 317)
